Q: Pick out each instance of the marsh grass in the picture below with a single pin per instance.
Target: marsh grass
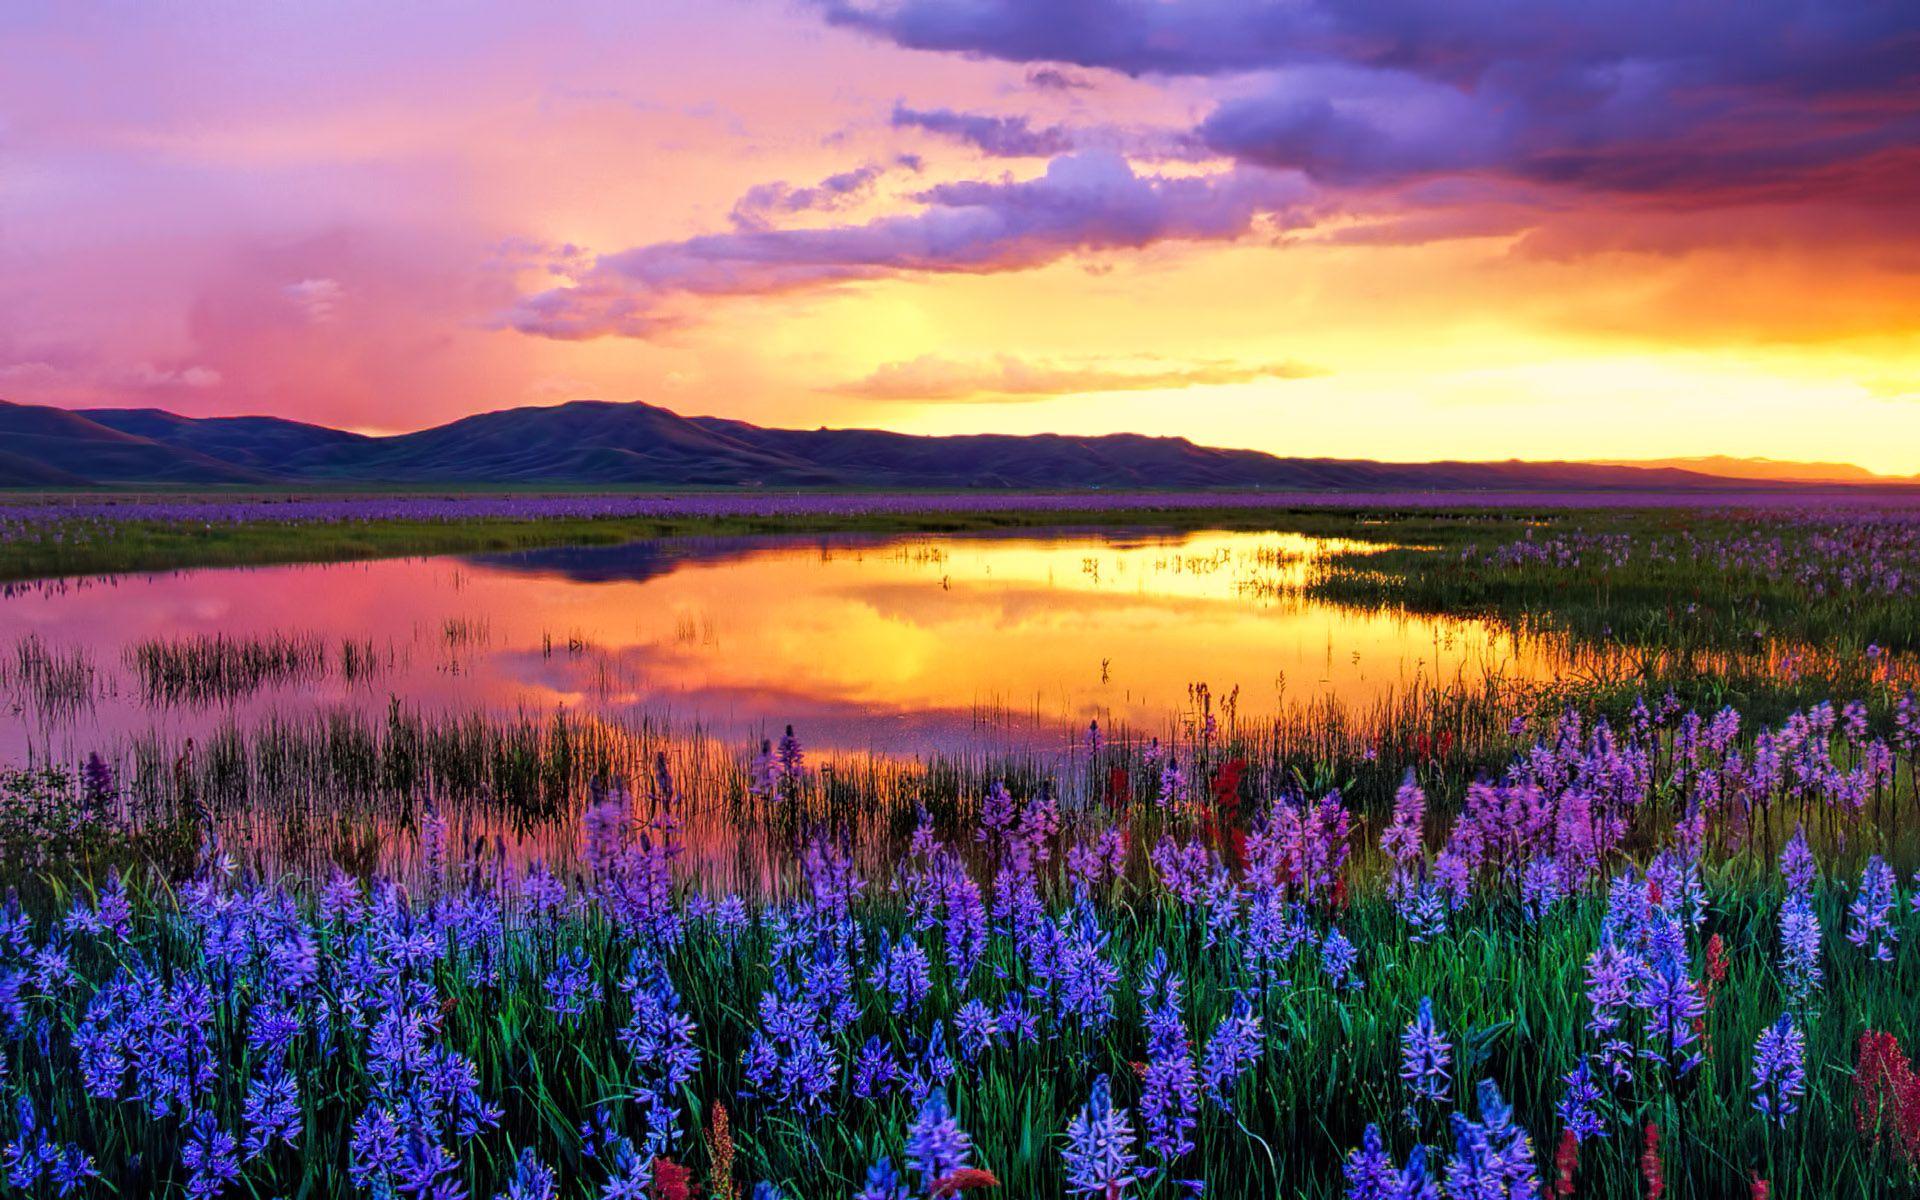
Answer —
(55, 683)
(1656, 580)
(212, 669)
(217, 668)
(304, 789)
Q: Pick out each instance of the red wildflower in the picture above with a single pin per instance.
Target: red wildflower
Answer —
(1759, 1189)
(1223, 821)
(671, 1181)
(1226, 785)
(964, 1180)
(1886, 1095)
(720, 1154)
(1716, 975)
(1716, 965)
(1650, 1169)
(1119, 787)
(1566, 1160)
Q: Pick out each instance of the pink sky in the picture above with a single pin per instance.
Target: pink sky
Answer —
(1604, 231)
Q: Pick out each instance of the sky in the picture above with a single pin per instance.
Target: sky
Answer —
(1395, 229)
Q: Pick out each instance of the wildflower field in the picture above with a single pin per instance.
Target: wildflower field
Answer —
(1647, 931)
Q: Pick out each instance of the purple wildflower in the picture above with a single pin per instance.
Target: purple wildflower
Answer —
(875, 1069)
(1799, 948)
(936, 1145)
(996, 812)
(1372, 1175)
(531, 1180)
(1779, 1070)
(904, 973)
(1672, 1001)
(1405, 835)
(1170, 1085)
(660, 1037)
(1578, 1108)
(1425, 1056)
(884, 1182)
(1235, 1045)
(1338, 958)
(978, 1027)
(1099, 1150)
(1492, 1157)
(272, 1112)
(1797, 864)
(1870, 917)
(570, 986)
(211, 1156)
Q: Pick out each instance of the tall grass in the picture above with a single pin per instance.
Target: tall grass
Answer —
(208, 669)
(217, 668)
(55, 683)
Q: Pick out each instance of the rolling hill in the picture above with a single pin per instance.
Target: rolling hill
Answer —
(601, 444)
(42, 446)
(271, 445)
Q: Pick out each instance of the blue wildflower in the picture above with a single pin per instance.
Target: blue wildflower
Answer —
(1425, 1056)
(1234, 1046)
(1372, 1175)
(1099, 1149)
(936, 1145)
(1779, 1070)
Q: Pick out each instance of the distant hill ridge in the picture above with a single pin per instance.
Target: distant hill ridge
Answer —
(592, 442)
(1767, 469)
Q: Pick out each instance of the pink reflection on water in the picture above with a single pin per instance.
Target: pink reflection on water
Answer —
(892, 644)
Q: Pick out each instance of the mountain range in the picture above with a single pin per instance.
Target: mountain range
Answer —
(596, 443)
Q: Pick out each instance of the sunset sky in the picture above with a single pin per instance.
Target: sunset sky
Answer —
(1402, 229)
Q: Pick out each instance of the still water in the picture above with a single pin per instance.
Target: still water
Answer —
(897, 644)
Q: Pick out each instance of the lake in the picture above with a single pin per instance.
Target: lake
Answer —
(892, 644)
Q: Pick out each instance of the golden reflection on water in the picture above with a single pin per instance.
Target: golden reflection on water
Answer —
(896, 644)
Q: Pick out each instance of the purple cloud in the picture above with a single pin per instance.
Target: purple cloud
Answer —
(1133, 36)
(997, 136)
(1635, 96)
(1017, 137)
(1806, 47)
(1089, 201)
(767, 200)
(1053, 79)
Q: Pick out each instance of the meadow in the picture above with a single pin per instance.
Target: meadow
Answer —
(1647, 929)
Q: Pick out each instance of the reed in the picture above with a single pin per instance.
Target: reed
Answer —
(54, 683)
(201, 669)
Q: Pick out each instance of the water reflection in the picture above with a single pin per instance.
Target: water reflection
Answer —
(895, 644)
